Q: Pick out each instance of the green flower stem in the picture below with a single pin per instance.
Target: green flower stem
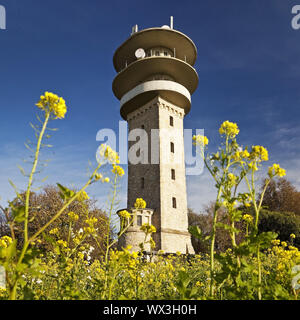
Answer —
(35, 162)
(212, 245)
(57, 215)
(108, 244)
(257, 209)
(259, 272)
(69, 233)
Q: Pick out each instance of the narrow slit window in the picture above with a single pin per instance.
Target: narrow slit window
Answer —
(171, 121)
(174, 203)
(172, 147)
(173, 174)
(157, 53)
(143, 183)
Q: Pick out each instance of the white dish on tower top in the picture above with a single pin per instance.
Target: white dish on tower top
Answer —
(140, 53)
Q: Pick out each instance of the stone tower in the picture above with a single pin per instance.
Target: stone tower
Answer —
(154, 84)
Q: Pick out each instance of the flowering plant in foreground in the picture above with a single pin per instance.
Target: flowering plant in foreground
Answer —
(18, 263)
(259, 267)
(230, 166)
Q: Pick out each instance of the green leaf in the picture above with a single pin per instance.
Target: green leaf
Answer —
(22, 170)
(28, 293)
(44, 179)
(15, 188)
(48, 238)
(18, 213)
(9, 252)
(65, 192)
(196, 232)
(227, 227)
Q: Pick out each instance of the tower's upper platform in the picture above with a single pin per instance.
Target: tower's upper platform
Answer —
(155, 61)
(147, 39)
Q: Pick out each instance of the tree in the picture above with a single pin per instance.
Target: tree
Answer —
(282, 196)
(283, 223)
(204, 222)
(44, 205)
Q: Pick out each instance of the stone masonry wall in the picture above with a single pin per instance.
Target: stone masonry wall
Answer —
(159, 187)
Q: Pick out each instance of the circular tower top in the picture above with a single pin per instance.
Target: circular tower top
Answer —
(185, 48)
(152, 62)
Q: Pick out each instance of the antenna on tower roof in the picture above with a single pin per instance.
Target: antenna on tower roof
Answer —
(134, 29)
(171, 22)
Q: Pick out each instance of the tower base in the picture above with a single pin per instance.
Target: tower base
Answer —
(172, 241)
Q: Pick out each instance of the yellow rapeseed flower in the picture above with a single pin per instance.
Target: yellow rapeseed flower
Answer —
(229, 129)
(248, 218)
(53, 231)
(245, 154)
(283, 244)
(98, 176)
(140, 203)
(109, 154)
(253, 165)
(124, 214)
(200, 140)
(83, 196)
(259, 153)
(275, 170)
(240, 155)
(148, 228)
(231, 179)
(73, 216)
(118, 170)
(5, 241)
(134, 254)
(52, 103)
(275, 242)
(62, 243)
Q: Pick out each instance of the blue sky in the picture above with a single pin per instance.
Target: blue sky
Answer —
(248, 65)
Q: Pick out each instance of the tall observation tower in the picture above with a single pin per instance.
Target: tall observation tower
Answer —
(154, 84)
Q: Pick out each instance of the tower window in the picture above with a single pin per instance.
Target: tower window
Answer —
(171, 121)
(173, 174)
(157, 53)
(143, 183)
(139, 220)
(174, 202)
(166, 53)
(172, 147)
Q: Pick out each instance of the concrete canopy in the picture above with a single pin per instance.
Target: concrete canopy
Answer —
(185, 48)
